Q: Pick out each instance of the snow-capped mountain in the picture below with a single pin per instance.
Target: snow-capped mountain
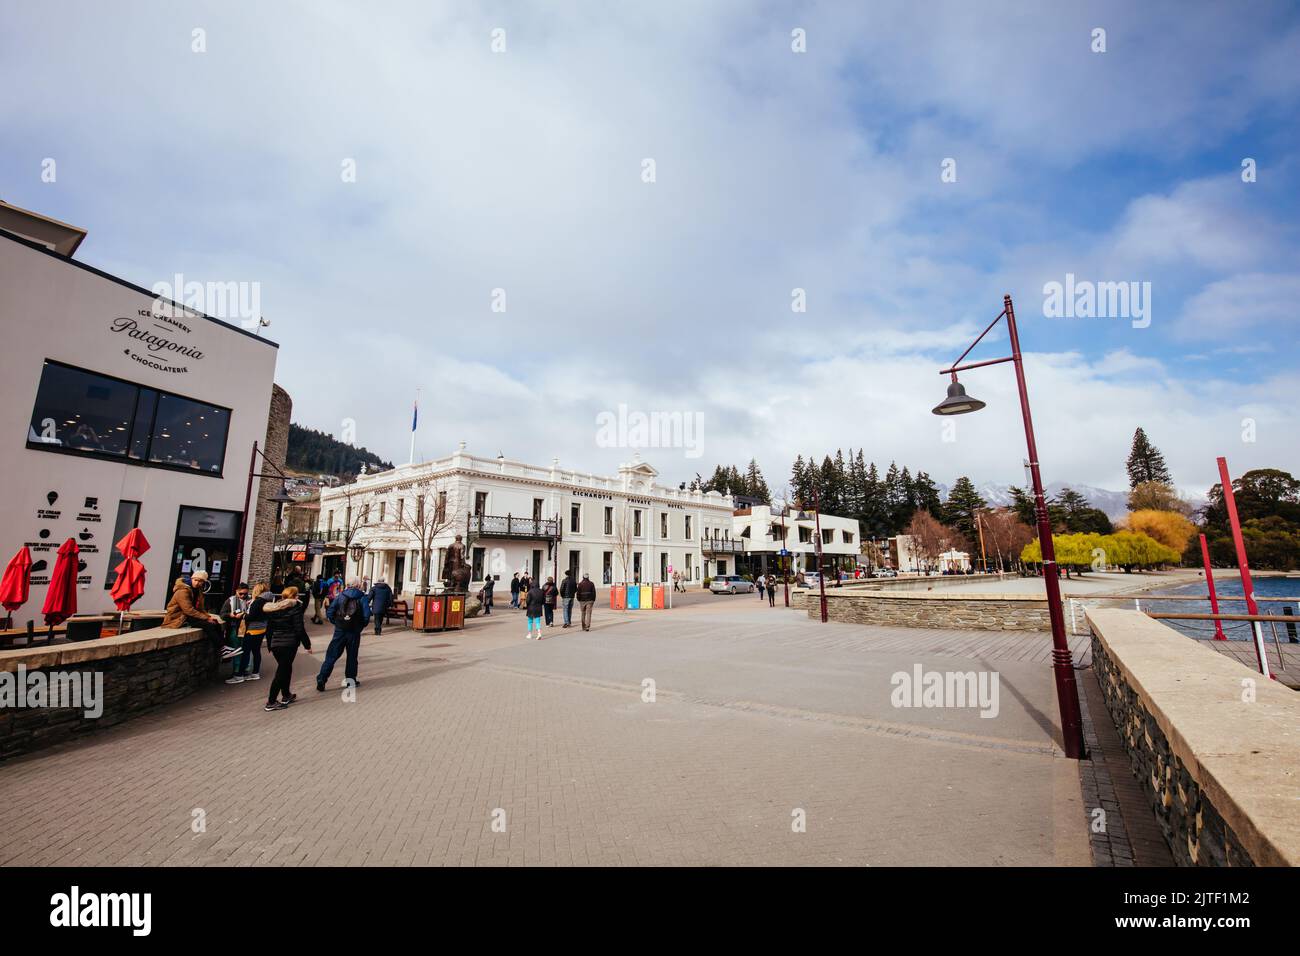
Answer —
(1113, 503)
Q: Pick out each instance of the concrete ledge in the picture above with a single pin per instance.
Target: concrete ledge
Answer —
(79, 652)
(1222, 771)
(980, 612)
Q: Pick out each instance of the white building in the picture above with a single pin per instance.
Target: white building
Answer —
(514, 516)
(763, 533)
(123, 410)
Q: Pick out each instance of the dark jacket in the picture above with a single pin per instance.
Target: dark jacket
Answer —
(335, 611)
(514, 585)
(488, 587)
(284, 624)
(568, 587)
(587, 590)
(549, 593)
(535, 601)
(381, 597)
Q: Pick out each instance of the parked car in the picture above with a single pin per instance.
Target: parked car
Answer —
(811, 579)
(886, 573)
(730, 584)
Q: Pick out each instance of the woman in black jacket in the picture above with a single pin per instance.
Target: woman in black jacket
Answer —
(285, 631)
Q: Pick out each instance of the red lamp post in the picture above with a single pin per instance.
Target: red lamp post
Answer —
(959, 403)
(821, 572)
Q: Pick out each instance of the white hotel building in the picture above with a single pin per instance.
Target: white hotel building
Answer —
(516, 516)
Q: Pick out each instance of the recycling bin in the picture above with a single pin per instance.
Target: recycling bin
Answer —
(633, 597)
(658, 598)
(646, 600)
(617, 597)
(455, 617)
(428, 612)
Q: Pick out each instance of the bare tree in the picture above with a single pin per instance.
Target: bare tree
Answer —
(425, 516)
(625, 542)
(1007, 535)
(928, 538)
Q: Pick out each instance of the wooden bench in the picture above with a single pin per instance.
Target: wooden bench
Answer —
(400, 610)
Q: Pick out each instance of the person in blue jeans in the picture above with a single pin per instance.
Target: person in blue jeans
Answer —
(349, 613)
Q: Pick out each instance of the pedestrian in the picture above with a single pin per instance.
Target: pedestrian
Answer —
(286, 633)
(349, 613)
(485, 593)
(550, 593)
(319, 591)
(677, 580)
(514, 591)
(771, 589)
(759, 580)
(381, 599)
(233, 613)
(586, 600)
(568, 590)
(335, 588)
(249, 665)
(185, 609)
(534, 600)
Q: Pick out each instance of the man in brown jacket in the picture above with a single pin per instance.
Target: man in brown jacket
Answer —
(185, 609)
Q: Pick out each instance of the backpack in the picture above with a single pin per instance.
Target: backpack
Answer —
(350, 613)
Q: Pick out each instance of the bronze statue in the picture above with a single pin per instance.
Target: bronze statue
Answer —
(456, 570)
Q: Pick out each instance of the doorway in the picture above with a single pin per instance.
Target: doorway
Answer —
(206, 539)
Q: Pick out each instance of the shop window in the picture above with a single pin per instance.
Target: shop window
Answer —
(86, 413)
(128, 517)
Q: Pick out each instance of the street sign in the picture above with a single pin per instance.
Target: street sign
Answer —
(785, 552)
(316, 547)
(670, 569)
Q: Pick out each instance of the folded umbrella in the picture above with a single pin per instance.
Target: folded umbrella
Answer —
(16, 584)
(61, 598)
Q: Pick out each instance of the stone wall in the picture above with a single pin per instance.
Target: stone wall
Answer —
(1212, 743)
(977, 612)
(275, 448)
(141, 671)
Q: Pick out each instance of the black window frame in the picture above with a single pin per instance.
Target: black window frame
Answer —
(127, 458)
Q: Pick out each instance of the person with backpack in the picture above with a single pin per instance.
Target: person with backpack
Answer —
(550, 592)
(349, 613)
(285, 633)
(381, 599)
(771, 589)
(568, 590)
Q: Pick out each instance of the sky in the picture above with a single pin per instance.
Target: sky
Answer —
(538, 213)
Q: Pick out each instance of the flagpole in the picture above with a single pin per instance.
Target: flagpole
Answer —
(415, 419)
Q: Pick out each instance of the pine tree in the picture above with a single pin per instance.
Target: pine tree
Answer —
(1145, 463)
(963, 504)
(754, 483)
(925, 495)
(799, 480)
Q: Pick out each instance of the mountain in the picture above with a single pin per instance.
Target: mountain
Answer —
(316, 453)
(1113, 503)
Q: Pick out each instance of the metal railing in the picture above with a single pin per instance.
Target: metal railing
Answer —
(508, 526)
(722, 545)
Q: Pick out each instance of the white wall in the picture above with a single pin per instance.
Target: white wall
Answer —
(52, 308)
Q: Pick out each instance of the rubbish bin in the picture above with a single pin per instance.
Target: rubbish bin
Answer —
(617, 597)
(633, 597)
(427, 613)
(658, 597)
(455, 618)
(646, 600)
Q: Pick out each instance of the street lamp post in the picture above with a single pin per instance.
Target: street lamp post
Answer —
(821, 573)
(959, 403)
(248, 499)
(785, 558)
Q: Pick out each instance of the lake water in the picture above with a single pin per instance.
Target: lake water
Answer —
(1228, 587)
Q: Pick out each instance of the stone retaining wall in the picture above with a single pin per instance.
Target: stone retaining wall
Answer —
(1213, 743)
(141, 671)
(978, 612)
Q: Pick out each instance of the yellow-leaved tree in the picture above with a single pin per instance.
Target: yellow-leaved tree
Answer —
(1168, 527)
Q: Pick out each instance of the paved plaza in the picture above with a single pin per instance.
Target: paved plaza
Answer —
(760, 718)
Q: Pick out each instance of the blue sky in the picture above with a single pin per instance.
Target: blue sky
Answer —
(775, 170)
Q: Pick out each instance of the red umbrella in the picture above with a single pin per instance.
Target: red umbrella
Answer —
(61, 598)
(16, 585)
(129, 585)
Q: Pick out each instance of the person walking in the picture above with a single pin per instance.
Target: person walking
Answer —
(381, 599)
(319, 590)
(514, 591)
(285, 633)
(568, 591)
(761, 582)
(550, 593)
(485, 593)
(233, 613)
(586, 591)
(349, 613)
(249, 664)
(534, 600)
(771, 589)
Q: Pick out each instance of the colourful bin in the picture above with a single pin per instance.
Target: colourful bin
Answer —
(658, 599)
(428, 613)
(617, 597)
(633, 597)
(647, 599)
(455, 619)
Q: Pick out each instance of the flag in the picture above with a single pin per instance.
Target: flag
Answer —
(415, 414)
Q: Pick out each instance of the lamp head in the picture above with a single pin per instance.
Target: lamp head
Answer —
(957, 402)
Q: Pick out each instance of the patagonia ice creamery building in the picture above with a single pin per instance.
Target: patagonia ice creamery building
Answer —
(121, 409)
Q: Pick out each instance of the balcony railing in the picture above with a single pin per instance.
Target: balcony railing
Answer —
(722, 545)
(336, 535)
(508, 526)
